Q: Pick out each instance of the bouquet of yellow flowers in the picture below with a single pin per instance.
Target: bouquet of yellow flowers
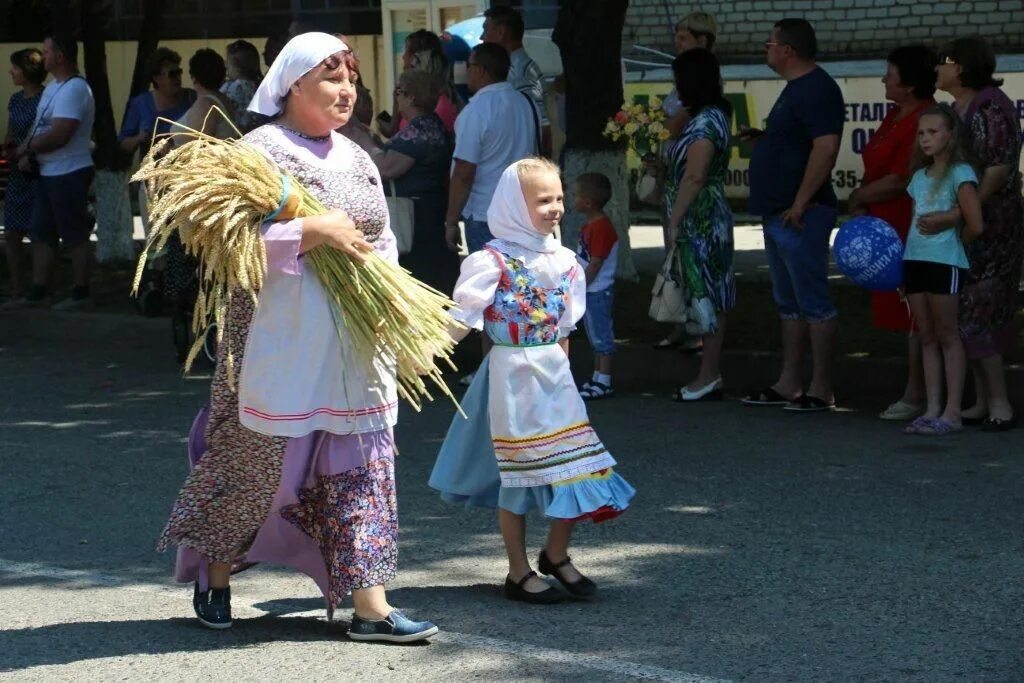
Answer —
(643, 126)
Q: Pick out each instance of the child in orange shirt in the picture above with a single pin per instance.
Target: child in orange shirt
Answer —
(597, 252)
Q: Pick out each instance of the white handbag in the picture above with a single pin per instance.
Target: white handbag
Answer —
(668, 297)
(403, 217)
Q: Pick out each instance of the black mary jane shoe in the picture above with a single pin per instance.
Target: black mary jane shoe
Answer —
(514, 590)
(583, 589)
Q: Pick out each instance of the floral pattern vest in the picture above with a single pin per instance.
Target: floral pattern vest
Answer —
(524, 313)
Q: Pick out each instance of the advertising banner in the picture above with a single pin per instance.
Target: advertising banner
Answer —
(866, 106)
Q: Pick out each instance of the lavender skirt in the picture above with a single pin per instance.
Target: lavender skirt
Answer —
(334, 516)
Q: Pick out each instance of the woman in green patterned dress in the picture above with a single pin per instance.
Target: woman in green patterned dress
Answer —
(700, 222)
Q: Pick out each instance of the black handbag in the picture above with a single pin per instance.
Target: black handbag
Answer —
(32, 172)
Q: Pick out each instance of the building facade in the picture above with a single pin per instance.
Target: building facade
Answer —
(846, 29)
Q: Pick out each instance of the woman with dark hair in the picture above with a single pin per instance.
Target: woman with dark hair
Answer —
(207, 70)
(700, 221)
(910, 84)
(153, 111)
(424, 52)
(28, 73)
(243, 77)
(695, 30)
(988, 299)
(167, 100)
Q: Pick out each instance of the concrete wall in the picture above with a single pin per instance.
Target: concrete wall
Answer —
(846, 28)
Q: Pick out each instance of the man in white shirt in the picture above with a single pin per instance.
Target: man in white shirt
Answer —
(60, 145)
(504, 26)
(498, 127)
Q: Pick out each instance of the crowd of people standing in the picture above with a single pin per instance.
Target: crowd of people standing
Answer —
(432, 128)
(791, 190)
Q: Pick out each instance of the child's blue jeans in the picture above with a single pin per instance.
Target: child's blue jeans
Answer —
(598, 321)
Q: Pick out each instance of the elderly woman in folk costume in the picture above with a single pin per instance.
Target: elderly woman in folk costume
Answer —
(295, 465)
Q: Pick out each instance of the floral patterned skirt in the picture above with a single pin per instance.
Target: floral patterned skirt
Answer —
(988, 300)
(324, 505)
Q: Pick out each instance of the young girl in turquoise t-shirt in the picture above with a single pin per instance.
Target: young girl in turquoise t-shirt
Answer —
(935, 262)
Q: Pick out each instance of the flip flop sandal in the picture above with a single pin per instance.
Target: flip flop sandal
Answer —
(917, 425)
(940, 427)
(901, 411)
(808, 404)
(595, 391)
(766, 397)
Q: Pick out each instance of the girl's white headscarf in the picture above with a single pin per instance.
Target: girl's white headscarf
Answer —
(299, 56)
(509, 219)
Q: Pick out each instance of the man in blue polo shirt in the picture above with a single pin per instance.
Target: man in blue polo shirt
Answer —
(791, 189)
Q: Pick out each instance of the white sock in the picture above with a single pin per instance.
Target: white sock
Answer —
(603, 378)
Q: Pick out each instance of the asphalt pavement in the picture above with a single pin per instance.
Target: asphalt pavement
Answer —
(761, 546)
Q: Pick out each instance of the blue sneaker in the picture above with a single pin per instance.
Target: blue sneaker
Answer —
(396, 628)
(213, 607)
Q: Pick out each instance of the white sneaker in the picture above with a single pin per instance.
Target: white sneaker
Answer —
(70, 304)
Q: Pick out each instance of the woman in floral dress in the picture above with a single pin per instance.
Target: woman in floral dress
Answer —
(28, 73)
(988, 299)
(294, 463)
(700, 221)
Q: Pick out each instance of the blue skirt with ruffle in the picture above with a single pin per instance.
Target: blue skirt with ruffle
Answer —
(466, 472)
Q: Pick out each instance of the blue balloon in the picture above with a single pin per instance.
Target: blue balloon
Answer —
(869, 251)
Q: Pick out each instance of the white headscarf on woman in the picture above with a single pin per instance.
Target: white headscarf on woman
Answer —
(509, 218)
(300, 55)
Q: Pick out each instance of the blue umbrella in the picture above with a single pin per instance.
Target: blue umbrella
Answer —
(458, 39)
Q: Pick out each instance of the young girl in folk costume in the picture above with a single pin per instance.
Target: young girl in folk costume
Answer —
(935, 262)
(528, 443)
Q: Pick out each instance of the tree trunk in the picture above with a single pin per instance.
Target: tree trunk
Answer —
(149, 39)
(114, 225)
(589, 37)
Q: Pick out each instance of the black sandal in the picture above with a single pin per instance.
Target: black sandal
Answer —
(513, 590)
(767, 397)
(584, 589)
(595, 391)
(995, 425)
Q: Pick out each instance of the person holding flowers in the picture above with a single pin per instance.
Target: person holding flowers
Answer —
(293, 460)
(700, 221)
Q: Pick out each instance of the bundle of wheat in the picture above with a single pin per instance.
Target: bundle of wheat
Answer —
(215, 194)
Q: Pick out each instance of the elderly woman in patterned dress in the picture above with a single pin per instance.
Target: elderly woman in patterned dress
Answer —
(988, 299)
(295, 465)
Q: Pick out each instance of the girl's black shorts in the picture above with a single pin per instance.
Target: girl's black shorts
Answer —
(927, 277)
